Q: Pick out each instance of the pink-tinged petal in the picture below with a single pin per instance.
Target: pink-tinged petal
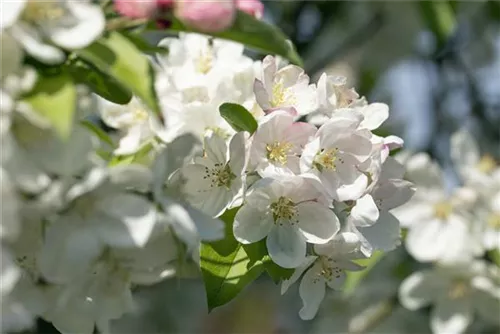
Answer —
(299, 134)
(291, 110)
(252, 7)
(261, 94)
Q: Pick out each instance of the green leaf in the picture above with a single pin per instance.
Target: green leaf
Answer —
(238, 117)
(354, 278)
(118, 57)
(101, 83)
(142, 44)
(255, 34)
(98, 132)
(142, 156)
(226, 267)
(54, 97)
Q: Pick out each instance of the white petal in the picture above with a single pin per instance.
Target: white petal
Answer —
(439, 240)
(68, 251)
(365, 212)
(385, 234)
(297, 273)
(261, 95)
(353, 183)
(317, 222)
(393, 193)
(424, 172)
(451, 316)
(215, 148)
(10, 12)
(286, 246)
(126, 220)
(375, 114)
(251, 225)
(89, 26)
(33, 45)
(420, 289)
(312, 292)
(237, 153)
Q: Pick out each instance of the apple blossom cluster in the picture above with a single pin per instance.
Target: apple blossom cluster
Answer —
(454, 230)
(88, 215)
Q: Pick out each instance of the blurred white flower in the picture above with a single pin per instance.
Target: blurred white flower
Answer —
(456, 293)
(290, 211)
(483, 172)
(132, 120)
(438, 224)
(66, 24)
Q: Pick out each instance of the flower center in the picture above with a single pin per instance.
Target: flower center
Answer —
(278, 151)
(140, 115)
(326, 158)
(204, 62)
(442, 210)
(220, 176)
(218, 131)
(487, 164)
(459, 288)
(281, 96)
(494, 221)
(45, 11)
(283, 208)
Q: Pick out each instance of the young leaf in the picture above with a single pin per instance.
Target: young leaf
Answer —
(238, 117)
(101, 83)
(255, 34)
(54, 97)
(118, 57)
(226, 267)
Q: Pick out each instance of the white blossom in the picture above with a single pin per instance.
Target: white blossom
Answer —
(290, 212)
(214, 181)
(285, 88)
(277, 144)
(438, 223)
(333, 156)
(456, 293)
(67, 24)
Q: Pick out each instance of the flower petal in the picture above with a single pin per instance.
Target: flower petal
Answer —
(251, 225)
(297, 273)
(420, 289)
(312, 292)
(385, 234)
(317, 222)
(365, 212)
(451, 316)
(286, 245)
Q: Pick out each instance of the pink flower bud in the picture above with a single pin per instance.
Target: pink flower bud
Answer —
(139, 9)
(252, 7)
(206, 15)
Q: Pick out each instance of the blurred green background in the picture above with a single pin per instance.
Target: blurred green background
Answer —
(437, 64)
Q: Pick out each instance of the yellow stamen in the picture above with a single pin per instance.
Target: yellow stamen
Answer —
(326, 159)
(459, 289)
(278, 151)
(442, 210)
(494, 221)
(37, 11)
(487, 164)
(204, 62)
(283, 208)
